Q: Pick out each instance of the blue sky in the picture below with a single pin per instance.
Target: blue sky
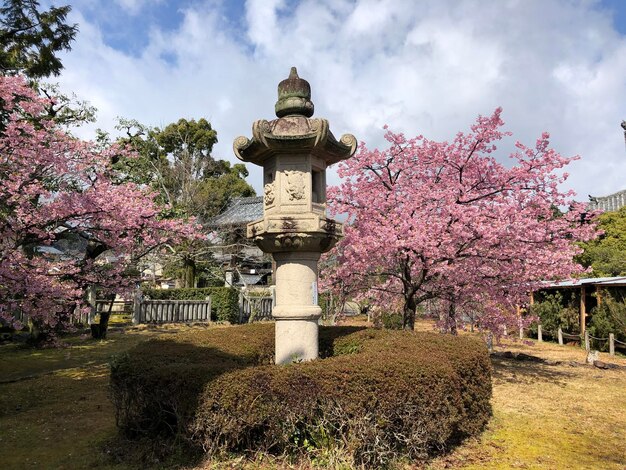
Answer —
(617, 9)
(422, 67)
(126, 24)
(127, 27)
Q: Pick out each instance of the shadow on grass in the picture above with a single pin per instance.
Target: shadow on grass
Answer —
(508, 370)
(56, 420)
(22, 362)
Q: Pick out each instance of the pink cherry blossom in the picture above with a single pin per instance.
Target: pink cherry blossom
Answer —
(448, 221)
(52, 185)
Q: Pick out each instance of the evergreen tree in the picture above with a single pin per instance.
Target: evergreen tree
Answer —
(30, 38)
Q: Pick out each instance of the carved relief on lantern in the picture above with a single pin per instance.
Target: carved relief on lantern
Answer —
(295, 185)
(268, 194)
(269, 187)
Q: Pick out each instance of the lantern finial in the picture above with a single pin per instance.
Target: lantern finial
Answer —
(294, 96)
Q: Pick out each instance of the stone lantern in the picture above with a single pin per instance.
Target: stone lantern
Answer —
(294, 151)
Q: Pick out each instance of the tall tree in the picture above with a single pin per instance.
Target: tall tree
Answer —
(29, 42)
(176, 161)
(30, 38)
(445, 220)
(53, 187)
(606, 256)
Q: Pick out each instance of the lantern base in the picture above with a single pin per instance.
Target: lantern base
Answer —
(296, 340)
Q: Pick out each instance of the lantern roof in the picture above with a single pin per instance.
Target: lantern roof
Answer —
(294, 132)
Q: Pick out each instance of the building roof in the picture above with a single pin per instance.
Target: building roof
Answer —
(612, 202)
(49, 250)
(594, 281)
(241, 210)
(250, 279)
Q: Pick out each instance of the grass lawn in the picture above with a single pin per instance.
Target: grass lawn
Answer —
(54, 406)
(550, 416)
(55, 413)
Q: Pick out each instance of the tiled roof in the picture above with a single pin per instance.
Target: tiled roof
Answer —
(601, 281)
(241, 210)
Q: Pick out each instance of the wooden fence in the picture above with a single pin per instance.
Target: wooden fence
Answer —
(117, 306)
(255, 308)
(77, 317)
(584, 339)
(251, 309)
(172, 311)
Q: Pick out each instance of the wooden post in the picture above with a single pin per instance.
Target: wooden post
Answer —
(208, 299)
(560, 335)
(519, 319)
(611, 344)
(91, 300)
(539, 335)
(137, 307)
(240, 306)
(587, 341)
(583, 311)
(532, 298)
(273, 278)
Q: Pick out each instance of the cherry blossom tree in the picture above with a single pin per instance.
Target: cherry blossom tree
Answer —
(55, 187)
(447, 221)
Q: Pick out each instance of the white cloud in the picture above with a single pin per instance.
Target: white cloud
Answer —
(424, 67)
(133, 7)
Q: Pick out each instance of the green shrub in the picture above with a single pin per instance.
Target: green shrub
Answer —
(259, 293)
(323, 300)
(609, 317)
(556, 311)
(374, 395)
(391, 321)
(155, 386)
(224, 300)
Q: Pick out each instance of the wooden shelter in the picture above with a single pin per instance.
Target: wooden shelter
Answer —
(590, 293)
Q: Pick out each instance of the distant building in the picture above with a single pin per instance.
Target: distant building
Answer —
(241, 211)
(244, 264)
(612, 202)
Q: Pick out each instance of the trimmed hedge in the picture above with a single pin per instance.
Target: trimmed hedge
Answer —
(224, 300)
(374, 396)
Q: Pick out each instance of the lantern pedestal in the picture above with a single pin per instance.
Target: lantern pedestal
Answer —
(296, 311)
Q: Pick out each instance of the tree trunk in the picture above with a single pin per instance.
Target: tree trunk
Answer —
(35, 332)
(408, 314)
(41, 334)
(189, 273)
(452, 319)
(99, 331)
